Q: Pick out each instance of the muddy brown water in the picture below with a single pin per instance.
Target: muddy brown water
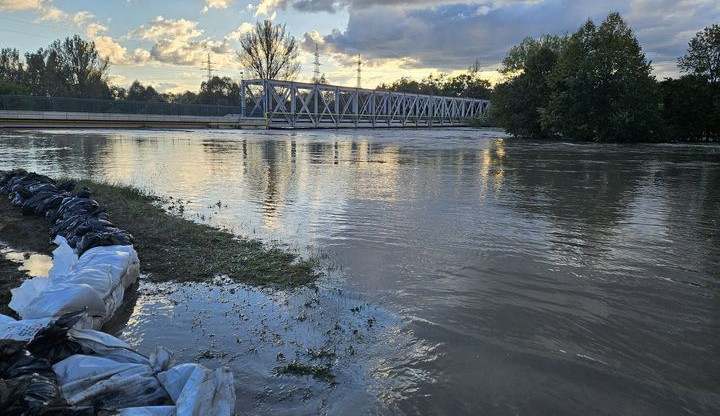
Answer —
(469, 273)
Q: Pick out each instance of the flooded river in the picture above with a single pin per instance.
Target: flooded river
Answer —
(467, 273)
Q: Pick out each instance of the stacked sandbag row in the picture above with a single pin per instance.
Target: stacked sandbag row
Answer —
(79, 218)
(94, 282)
(52, 362)
(51, 368)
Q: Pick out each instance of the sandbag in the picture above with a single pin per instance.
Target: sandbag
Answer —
(94, 283)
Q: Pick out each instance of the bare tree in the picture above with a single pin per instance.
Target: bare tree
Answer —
(269, 52)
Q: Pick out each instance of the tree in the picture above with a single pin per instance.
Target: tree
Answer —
(80, 67)
(138, 92)
(703, 55)
(12, 69)
(269, 52)
(602, 88)
(219, 91)
(516, 102)
(691, 108)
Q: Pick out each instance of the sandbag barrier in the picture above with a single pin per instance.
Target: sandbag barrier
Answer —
(53, 361)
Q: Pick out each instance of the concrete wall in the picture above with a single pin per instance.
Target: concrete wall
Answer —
(16, 119)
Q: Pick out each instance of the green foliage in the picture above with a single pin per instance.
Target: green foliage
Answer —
(691, 108)
(67, 68)
(139, 92)
(7, 87)
(703, 55)
(219, 91)
(602, 88)
(516, 102)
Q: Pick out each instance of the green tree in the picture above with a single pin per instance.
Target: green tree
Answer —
(516, 102)
(602, 88)
(219, 91)
(139, 92)
(703, 55)
(691, 108)
(79, 67)
(12, 69)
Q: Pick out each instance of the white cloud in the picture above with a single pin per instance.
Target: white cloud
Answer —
(269, 7)
(217, 4)
(52, 13)
(240, 31)
(181, 42)
(18, 5)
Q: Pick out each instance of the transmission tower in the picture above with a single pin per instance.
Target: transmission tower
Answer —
(210, 69)
(359, 72)
(316, 63)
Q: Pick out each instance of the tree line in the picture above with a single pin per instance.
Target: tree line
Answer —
(597, 85)
(593, 85)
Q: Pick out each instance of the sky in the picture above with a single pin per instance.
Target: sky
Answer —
(165, 43)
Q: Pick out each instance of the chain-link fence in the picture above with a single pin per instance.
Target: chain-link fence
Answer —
(83, 105)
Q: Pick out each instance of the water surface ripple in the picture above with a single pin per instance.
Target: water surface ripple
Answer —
(524, 278)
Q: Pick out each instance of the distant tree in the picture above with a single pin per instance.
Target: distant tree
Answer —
(269, 52)
(7, 87)
(691, 109)
(12, 69)
(80, 67)
(602, 88)
(219, 91)
(187, 97)
(139, 92)
(703, 55)
(516, 102)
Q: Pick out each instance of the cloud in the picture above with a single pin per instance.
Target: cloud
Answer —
(240, 31)
(451, 35)
(44, 8)
(19, 5)
(216, 4)
(269, 7)
(181, 42)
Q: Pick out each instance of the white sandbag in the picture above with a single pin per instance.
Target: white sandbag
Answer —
(148, 411)
(23, 330)
(28, 290)
(64, 258)
(106, 271)
(61, 298)
(106, 345)
(90, 380)
(198, 391)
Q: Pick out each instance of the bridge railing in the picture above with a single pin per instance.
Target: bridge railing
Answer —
(83, 105)
(295, 104)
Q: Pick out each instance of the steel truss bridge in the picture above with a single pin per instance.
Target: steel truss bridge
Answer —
(285, 104)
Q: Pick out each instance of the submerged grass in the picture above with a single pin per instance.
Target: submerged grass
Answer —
(172, 248)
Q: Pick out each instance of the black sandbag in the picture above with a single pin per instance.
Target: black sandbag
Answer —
(28, 395)
(52, 342)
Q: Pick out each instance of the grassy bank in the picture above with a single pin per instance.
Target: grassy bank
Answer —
(171, 248)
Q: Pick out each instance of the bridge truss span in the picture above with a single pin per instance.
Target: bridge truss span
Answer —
(285, 104)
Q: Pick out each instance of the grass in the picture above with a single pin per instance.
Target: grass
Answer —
(319, 372)
(172, 248)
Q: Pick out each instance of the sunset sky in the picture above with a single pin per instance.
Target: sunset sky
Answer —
(165, 43)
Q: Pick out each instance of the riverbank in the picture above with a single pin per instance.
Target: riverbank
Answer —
(171, 248)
